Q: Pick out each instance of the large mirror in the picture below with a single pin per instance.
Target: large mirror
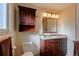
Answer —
(49, 25)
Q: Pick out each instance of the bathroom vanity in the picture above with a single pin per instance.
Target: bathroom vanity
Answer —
(53, 45)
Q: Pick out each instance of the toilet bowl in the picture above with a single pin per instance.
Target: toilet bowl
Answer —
(27, 48)
(27, 54)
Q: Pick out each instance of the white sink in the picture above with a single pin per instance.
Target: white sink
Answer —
(52, 37)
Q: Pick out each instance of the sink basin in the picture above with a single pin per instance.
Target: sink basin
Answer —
(45, 37)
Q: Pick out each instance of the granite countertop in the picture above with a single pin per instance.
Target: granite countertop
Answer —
(46, 37)
(4, 36)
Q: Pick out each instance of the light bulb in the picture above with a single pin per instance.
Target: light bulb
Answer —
(45, 14)
(53, 16)
(57, 16)
(49, 14)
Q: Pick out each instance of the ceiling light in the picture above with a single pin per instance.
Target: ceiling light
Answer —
(50, 15)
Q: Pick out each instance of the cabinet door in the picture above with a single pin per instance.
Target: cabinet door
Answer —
(6, 47)
(27, 19)
(47, 48)
(32, 20)
(50, 48)
(76, 49)
(55, 47)
(41, 47)
(24, 14)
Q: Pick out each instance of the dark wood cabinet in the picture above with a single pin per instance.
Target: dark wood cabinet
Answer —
(76, 48)
(27, 19)
(6, 47)
(53, 47)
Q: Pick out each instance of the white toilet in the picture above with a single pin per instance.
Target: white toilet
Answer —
(26, 46)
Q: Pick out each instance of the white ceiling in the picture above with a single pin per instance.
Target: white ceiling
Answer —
(52, 6)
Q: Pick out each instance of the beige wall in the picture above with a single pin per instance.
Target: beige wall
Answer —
(77, 22)
(67, 26)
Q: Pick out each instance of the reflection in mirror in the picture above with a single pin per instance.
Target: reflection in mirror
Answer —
(49, 25)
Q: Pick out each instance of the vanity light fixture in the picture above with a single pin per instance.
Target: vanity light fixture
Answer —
(51, 15)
